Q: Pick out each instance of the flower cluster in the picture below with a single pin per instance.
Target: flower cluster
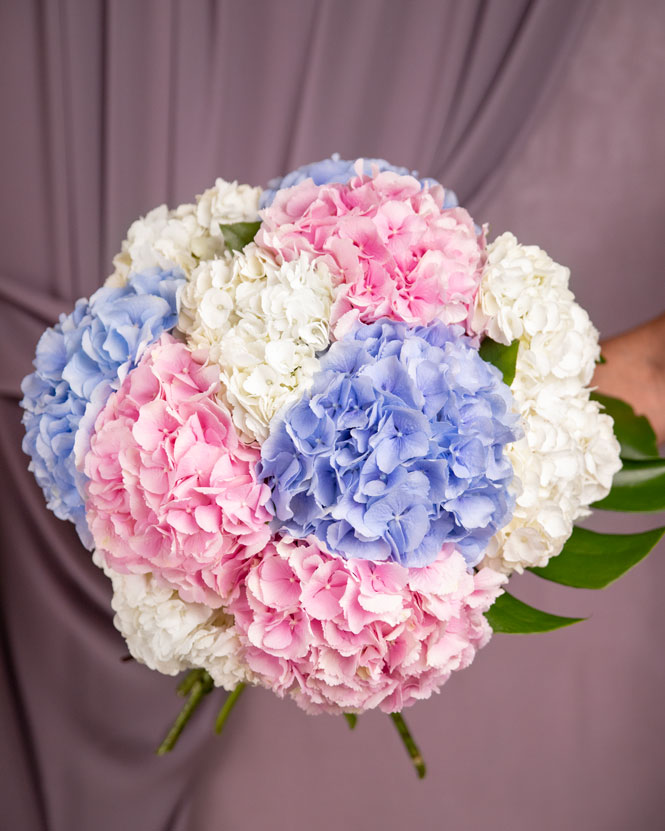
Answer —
(78, 362)
(568, 455)
(340, 170)
(171, 488)
(392, 249)
(346, 636)
(292, 461)
(524, 295)
(183, 237)
(167, 634)
(263, 324)
(396, 449)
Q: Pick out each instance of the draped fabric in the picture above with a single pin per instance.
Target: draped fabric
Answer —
(111, 108)
(119, 106)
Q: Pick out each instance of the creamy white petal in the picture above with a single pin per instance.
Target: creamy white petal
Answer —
(568, 455)
(186, 235)
(169, 635)
(263, 323)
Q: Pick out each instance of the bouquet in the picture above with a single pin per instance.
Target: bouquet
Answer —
(309, 433)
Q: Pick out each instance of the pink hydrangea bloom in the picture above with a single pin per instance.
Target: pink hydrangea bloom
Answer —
(172, 490)
(348, 635)
(391, 248)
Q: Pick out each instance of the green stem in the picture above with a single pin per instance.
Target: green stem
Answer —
(185, 686)
(352, 718)
(201, 686)
(409, 743)
(231, 699)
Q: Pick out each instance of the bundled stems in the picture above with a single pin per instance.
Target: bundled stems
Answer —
(185, 686)
(411, 747)
(231, 699)
(198, 684)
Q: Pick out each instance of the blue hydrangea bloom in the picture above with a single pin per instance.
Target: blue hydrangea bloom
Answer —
(78, 363)
(397, 449)
(335, 169)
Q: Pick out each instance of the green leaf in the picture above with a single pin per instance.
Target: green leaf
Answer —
(601, 360)
(502, 357)
(592, 561)
(352, 719)
(237, 235)
(633, 432)
(639, 486)
(510, 615)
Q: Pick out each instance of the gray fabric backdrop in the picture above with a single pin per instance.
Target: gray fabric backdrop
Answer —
(548, 118)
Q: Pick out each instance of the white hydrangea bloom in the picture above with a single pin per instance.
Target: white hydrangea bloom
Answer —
(226, 203)
(161, 239)
(524, 294)
(186, 235)
(263, 322)
(169, 635)
(568, 455)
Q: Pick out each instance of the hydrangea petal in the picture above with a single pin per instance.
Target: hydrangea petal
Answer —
(391, 480)
(209, 514)
(78, 363)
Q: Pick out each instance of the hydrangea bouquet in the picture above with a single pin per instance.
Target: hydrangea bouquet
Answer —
(310, 432)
